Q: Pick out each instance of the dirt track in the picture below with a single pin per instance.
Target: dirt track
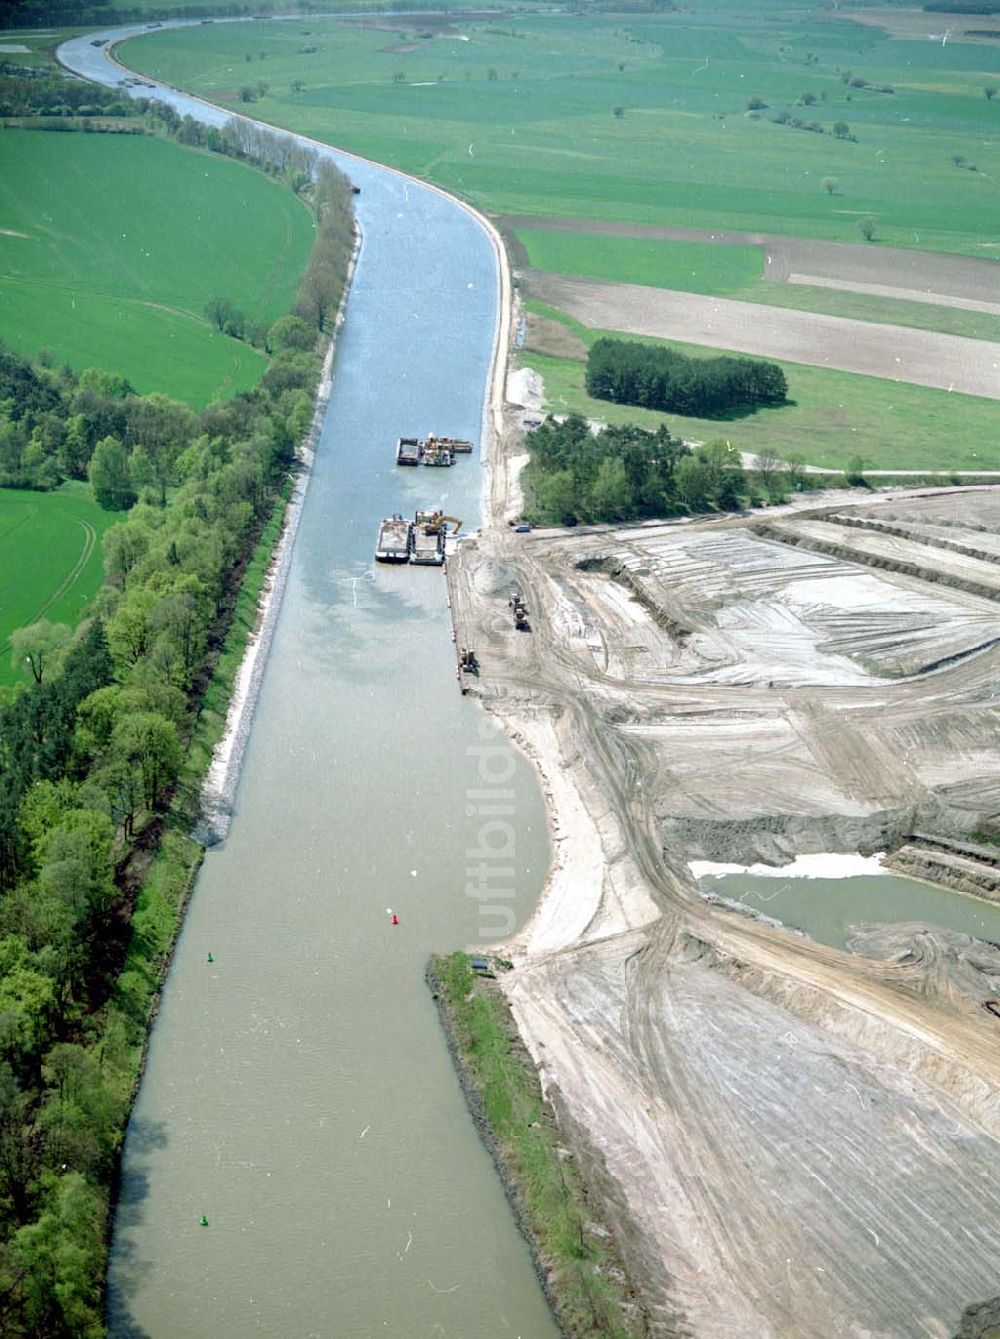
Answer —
(793, 1140)
(898, 353)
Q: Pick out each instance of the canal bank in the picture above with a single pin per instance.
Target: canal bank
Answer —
(297, 1095)
(560, 1215)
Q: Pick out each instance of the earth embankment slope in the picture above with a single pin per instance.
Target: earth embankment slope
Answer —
(791, 1129)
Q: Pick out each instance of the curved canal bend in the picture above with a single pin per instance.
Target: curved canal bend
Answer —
(298, 1092)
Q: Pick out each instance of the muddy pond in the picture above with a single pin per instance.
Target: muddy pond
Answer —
(830, 909)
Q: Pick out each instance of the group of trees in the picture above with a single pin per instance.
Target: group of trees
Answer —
(308, 173)
(27, 93)
(93, 13)
(963, 6)
(657, 377)
(625, 473)
(56, 424)
(755, 104)
(90, 749)
(325, 279)
(93, 742)
(853, 80)
(274, 152)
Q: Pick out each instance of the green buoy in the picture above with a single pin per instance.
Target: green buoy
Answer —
(204, 1221)
(210, 958)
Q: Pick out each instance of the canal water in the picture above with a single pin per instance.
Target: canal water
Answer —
(831, 909)
(298, 1093)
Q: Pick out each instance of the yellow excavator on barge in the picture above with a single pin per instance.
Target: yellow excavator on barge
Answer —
(420, 541)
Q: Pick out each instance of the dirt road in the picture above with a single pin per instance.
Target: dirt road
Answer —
(898, 353)
(790, 1140)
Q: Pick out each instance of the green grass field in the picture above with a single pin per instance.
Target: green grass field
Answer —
(110, 246)
(691, 267)
(517, 113)
(50, 559)
(835, 415)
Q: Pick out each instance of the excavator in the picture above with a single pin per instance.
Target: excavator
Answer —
(433, 522)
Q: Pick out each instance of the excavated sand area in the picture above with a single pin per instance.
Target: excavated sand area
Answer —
(790, 1140)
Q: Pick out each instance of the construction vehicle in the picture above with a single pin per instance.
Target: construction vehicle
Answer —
(437, 520)
(456, 445)
(436, 451)
(429, 531)
(467, 661)
(520, 611)
(428, 543)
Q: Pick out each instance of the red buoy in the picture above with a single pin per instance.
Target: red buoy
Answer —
(395, 919)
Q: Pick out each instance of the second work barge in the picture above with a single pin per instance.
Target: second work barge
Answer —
(395, 537)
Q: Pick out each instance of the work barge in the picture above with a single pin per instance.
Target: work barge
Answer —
(420, 541)
(435, 452)
(394, 540)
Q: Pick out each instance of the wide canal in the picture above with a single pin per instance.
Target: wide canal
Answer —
(299, 1094)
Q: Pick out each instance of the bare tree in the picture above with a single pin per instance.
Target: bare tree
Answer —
(767, 464)
(795, 468)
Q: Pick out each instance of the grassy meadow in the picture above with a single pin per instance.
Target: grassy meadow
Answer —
(691, 267)
(644, 119)
(50, 559)
(111, 245)
(518, 113)
(832, 416)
